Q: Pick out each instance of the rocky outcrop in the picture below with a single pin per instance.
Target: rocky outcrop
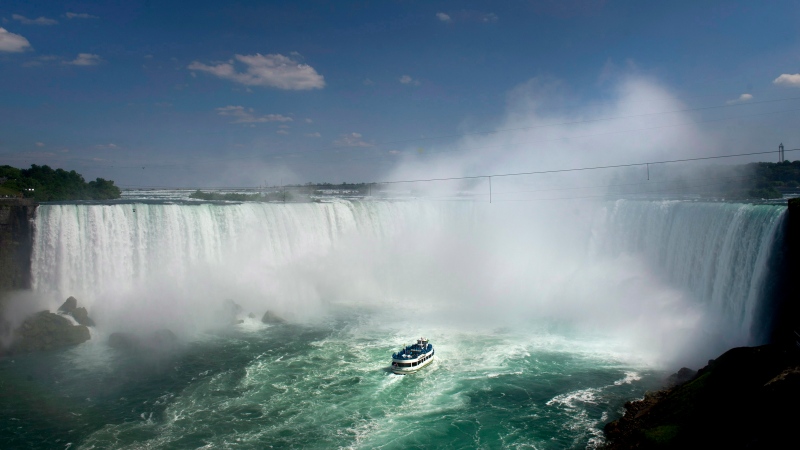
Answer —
(231, 312)
(48, 331)
(272, 318)
(80, 315)
(746, 398)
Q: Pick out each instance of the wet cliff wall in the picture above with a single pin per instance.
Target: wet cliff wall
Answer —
(16, 234)
(786, 316)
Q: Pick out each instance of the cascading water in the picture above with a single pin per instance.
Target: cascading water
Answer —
(545, 318)
(718, 252)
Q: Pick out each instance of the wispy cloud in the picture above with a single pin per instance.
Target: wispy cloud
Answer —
(314, 134)
(41, 60)
(742, 98)
(72, 15)
(240, 114)
(406, 79)
(85, 59)
(109, 146)
(788, 79)
(273, 70)
(282, 131)
(38, 21)
(351, 140)
(13, 43)
(467, 16)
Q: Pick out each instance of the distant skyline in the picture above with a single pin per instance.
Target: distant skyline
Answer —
(203, 94)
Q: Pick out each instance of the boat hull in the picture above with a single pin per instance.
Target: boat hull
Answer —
(406, 370)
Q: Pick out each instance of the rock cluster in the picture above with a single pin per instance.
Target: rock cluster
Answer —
(746, 398)
(49, 331)
(79, 314)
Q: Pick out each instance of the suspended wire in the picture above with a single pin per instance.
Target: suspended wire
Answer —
(509, 174)
(580, 169)
(615, 195)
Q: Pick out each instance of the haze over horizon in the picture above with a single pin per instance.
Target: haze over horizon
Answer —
(207, 94)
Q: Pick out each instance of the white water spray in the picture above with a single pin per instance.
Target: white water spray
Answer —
(659, 274)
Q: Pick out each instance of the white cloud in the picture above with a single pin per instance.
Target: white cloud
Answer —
(443, 17)
(368, 82)
(787, 79)
(38, 21)
(72, 15)
(40, 144)
(351, 140)
(309, 121)
(742, 98)
(405, 79)
(314, 134)
(247, 115)
(489, 18)
(271, 70)
(282, 131)
(13, 43)
(109, 146)
(85, 59)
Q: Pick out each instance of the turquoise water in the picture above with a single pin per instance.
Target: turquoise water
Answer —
(324, 385)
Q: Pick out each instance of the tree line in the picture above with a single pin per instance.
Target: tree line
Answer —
(44, 184)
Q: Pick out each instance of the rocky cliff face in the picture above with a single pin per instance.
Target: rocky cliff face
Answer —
(16, 234)
(746, 398)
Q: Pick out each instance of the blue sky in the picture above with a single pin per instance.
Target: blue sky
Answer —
(203, 94)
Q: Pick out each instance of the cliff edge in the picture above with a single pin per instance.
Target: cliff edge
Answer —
(16, 234)
(746, 398)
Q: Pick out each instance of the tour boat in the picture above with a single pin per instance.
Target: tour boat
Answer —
(413, 357)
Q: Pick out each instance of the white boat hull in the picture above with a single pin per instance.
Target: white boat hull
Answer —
(396, 368)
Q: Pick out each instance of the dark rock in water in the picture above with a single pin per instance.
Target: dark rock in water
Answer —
(48, 331)
(239, 322)
(82, 317)
(231, 311)
(159, 340)
(162, 338)
(123, 341)
(70, 306)
(251, 315)
(272, 318)
(746, 398)
(681, 376)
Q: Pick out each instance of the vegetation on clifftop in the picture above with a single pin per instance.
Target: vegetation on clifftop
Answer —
(769, 179)
(45, 184)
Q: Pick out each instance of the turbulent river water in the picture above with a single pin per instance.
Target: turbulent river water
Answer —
(544, 320)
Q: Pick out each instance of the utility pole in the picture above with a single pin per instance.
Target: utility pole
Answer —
(781, 155)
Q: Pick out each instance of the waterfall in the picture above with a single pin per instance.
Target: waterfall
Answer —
(719, 252)
(573, 260)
